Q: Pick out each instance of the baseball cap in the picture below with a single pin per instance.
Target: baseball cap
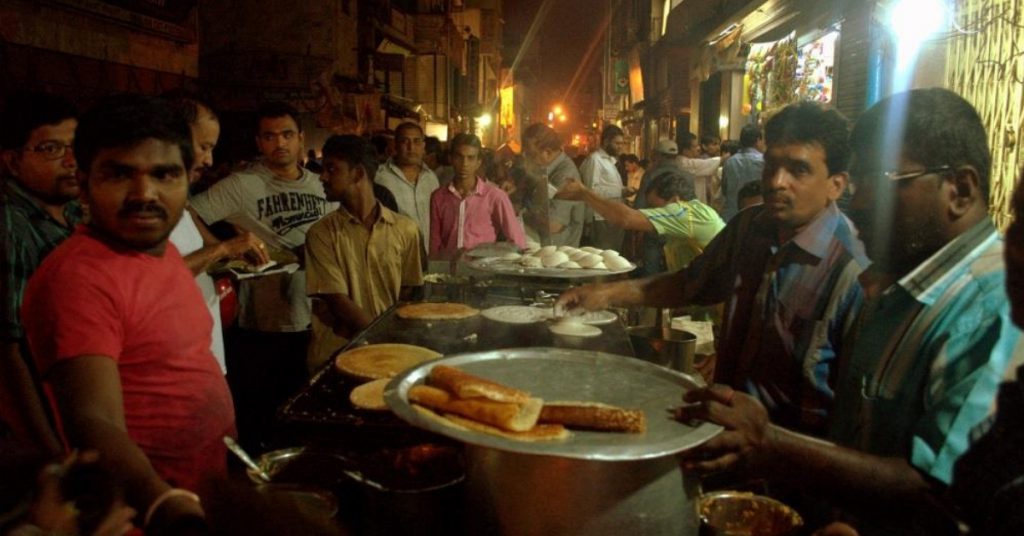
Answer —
(666, 147)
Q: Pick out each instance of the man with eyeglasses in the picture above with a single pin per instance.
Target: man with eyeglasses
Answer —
(408, 177)
(786, 271)
(932, 344)
(38, 211)
(277, 200)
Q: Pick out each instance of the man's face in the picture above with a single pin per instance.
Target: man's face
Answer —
(280, 141)
(338, 178)
(712, 149)
(465, 161)
(36, 167)
(136, 194)
(205, 133)
(900, 222)
(692, 150)
(615, 146)
(797, 185)
(409, 147)
(1014, 253)
(631, 167)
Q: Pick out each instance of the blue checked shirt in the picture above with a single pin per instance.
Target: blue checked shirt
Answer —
(788, 309)
(928, 357)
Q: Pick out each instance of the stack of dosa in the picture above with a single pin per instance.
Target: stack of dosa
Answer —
(376, 364)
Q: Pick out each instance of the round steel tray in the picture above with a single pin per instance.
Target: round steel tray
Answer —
(564, 374)
(514, 268)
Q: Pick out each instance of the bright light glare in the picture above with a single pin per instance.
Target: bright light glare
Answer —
(914, 21)
(557, 109)
(723, 122)
(484, 120)
(561, 118)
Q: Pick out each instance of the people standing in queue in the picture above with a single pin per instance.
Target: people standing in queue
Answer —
(408, 177)
(118, 327)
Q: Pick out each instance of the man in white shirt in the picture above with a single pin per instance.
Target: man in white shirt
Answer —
(600, 175)
(408, 177)
(704, 169)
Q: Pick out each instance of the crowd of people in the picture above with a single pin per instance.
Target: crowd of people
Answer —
(860, 350)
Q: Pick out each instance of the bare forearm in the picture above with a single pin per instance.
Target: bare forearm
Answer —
(848, 476)
(200, 260)
(617, 213)
(664, 290)
(348, 317)
(24, 397)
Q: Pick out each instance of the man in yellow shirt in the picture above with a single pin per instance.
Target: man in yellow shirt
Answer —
(360, 259)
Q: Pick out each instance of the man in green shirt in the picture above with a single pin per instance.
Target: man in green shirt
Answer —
(687, 224)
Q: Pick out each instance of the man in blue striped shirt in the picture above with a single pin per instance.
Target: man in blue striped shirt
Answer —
(932, 344)
(787, 272)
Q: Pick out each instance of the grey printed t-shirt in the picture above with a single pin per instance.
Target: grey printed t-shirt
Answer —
(279, 212)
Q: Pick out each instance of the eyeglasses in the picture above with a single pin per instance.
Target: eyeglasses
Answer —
(907, 175)
(51, 150)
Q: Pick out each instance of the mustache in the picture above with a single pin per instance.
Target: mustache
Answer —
(138, 208)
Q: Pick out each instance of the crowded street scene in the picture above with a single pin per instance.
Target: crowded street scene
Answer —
(512, 267)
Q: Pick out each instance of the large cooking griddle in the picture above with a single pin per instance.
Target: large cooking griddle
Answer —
(567, 374)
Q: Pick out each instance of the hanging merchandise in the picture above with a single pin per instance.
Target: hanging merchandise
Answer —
(816, 63)
(771, 69)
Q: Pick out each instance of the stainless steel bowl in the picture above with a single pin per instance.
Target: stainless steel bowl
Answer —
(302, 466)
(736, 513)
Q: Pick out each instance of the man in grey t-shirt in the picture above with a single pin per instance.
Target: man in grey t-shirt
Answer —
(278, 201)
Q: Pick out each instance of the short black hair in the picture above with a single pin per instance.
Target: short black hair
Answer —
(465, 138)
(940, 128)
(810, 122)
(353, 150)
(629, 158)
(673, 182)
(188, 104)
(686, 140)
(708, 139)
(610, 132)
(749, 135)
(126, 120)
(274, 109)
(432, 145)
(408, 125)
(750, 189)
(29, 110)
(730, 146)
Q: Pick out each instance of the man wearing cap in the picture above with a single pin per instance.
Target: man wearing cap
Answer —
(652, 249)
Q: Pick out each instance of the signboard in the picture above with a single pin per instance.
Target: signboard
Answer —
(621, 77)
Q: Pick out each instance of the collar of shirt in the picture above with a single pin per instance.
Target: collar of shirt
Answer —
(391, 165)
(931, 278)
(383, 215)
(749, 150)
(17, 196)
(478, 190)
(816, 237)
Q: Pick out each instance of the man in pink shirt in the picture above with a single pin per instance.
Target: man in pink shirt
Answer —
(470, 211)
(118, 328)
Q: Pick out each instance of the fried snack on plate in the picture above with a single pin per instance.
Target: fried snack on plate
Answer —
(540, 432)
(594, 416)
(507, 416)
(465, 385)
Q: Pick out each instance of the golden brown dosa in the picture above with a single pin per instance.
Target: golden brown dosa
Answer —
(370, 395)
(436, 311)
(376, 361)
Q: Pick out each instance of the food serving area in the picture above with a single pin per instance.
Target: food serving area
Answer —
(391, 472)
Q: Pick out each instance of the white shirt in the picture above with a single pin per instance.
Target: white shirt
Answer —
(600, 175)
(187, 239)
(413, 199)
(703, 170)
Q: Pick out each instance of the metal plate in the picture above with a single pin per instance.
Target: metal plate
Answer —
(516, 269)
(564, 374)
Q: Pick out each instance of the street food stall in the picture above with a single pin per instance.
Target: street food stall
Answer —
(406, 472)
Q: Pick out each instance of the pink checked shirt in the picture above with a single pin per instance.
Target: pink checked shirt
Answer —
(463, 223)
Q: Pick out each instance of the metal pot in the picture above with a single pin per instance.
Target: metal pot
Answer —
(664, 346)
(725, 513)
(524, 494)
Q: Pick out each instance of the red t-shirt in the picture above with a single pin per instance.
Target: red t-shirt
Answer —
(148, 315)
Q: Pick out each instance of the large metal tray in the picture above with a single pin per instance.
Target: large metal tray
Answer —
(565, 374)
(513, 268)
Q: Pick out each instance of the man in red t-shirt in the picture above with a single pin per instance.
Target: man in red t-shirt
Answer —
(118, 327)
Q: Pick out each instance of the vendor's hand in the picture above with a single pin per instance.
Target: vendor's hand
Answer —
(571, 190)
(591, 297)
(745, 440)
(248, 246)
